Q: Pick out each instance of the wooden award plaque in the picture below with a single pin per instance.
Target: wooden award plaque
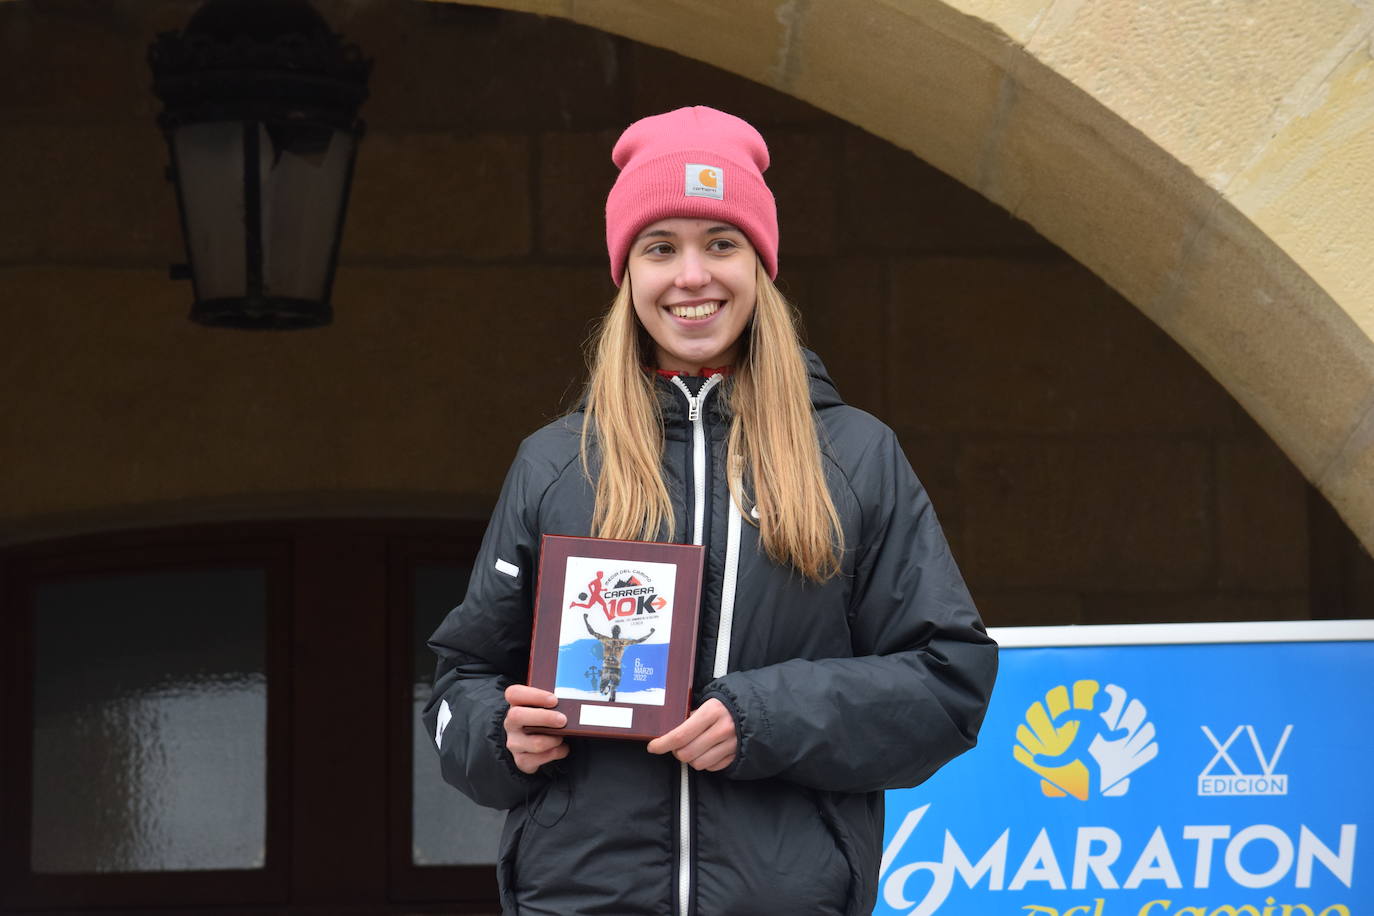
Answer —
(615, 632)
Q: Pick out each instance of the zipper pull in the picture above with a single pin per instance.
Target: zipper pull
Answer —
(693, 408)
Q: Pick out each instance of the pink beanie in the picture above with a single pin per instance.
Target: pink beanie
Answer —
(697, 163)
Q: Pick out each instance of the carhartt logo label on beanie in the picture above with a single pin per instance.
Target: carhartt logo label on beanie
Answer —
(705, 181)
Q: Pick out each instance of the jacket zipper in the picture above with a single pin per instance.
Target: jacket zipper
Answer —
(684, 809)
(694, 416)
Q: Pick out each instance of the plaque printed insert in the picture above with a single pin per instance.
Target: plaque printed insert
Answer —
(615, 633)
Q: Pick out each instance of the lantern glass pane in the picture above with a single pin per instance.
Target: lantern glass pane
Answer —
(209, 163)
(304, 171)
(150, 722)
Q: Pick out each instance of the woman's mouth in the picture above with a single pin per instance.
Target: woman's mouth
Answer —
(699, 311)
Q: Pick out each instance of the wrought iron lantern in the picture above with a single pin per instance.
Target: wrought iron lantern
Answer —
(260, 114)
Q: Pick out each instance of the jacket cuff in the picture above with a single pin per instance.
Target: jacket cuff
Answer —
(744, 728)
(496, 740)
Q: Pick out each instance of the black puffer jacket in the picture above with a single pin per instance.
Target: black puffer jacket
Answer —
(870, 681)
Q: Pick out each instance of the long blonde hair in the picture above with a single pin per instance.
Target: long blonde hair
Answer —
(772, 436)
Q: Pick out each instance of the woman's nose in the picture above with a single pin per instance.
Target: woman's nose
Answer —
(692, 272)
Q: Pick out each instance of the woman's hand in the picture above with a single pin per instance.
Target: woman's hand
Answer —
(706, 741)
(531, 707)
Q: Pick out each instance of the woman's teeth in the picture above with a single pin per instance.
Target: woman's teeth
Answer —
(695, 311)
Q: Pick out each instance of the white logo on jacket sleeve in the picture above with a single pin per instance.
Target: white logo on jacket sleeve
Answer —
(445, 714)
(509, 569)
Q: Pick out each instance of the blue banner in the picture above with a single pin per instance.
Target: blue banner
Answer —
(1152, 780)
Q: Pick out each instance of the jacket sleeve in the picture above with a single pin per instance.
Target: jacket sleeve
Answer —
(913, 695)
(483, 647)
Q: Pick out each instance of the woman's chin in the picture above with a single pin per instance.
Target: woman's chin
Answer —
(690, 359)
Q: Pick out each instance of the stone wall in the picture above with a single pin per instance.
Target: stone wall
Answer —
(1085, 468)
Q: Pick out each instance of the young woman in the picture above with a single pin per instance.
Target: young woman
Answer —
(839, 653)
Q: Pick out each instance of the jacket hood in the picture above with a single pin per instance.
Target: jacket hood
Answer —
(823, 390)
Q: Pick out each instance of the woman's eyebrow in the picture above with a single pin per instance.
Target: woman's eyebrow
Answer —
(669, 234)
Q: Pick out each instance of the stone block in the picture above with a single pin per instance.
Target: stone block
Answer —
(662, 81)
(1261, 518)
(1349, 485)
(482, 356)
(1205, 81)
(90, 429)
(575, 175)
(1193, 608)
(935, 460)
(802, 179)
(72, 62)
(921, 76)
(1245, 427)
(1342, 584)
(1124, 513)
(1311, 189)
(445, 66)
(1290, 355)
(741, 38)
(1036, 347)
(1016, 19)
(427, 196)
(892, 201)
(88, 194)
(843, 307)
(420, 386)
(1091, 184)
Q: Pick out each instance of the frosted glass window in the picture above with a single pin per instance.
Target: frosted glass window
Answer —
(446, 827)
(150, 723)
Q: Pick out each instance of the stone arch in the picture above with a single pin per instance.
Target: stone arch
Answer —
(1213, 167)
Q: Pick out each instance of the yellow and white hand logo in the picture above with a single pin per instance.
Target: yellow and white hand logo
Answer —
(1048, 742)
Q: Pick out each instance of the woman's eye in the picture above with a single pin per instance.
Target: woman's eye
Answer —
(722, 245)
(659, 248)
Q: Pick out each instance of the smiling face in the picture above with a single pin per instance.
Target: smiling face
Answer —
(693, 285)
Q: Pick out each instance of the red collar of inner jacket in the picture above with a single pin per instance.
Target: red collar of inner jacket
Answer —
(705, 373)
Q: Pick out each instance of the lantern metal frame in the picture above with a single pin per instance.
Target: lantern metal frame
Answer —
(261, 64)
